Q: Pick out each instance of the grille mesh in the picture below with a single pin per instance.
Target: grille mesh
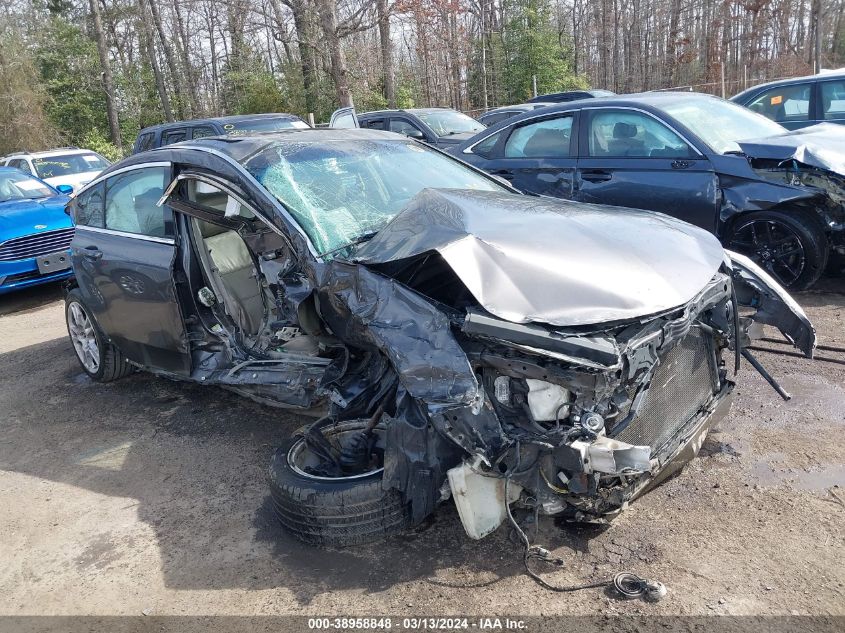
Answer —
(681, 385)
(35, 245)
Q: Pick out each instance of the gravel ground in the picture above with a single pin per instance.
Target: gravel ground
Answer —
(149, 496)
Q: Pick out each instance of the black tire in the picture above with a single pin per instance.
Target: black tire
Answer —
(111, 364)
(334, 512)
(797, 254)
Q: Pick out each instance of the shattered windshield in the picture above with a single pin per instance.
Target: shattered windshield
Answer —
(343, 191)
(721, 124)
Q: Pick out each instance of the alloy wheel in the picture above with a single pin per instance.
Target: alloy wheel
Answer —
(774, 245)
(83, 337)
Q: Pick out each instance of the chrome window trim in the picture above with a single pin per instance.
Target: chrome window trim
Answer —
(647, 113)
(135, 236)
(103, 177)
(469, 149)
(281, 207)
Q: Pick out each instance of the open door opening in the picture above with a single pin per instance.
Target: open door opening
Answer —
(255, 340)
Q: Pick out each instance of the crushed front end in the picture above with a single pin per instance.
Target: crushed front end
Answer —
(588, 420)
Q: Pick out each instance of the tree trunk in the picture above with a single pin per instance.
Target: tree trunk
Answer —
(169, 58)
(108, 80)
(338, 70)
(148, 44)
(307, 59)
(386, 53)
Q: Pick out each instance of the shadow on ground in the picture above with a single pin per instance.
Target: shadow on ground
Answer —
(194, 459)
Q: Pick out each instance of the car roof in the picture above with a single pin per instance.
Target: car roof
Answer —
(830, 74)
(524, 107)
(59, 151)
(241, 147)
(233, 118)
(407, 111)
(643, 99)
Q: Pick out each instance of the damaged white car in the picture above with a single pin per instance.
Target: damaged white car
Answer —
(456, 339)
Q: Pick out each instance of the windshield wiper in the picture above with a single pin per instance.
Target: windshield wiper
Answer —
(358, 240)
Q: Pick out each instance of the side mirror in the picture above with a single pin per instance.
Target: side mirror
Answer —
(417, 134)
(65, 189)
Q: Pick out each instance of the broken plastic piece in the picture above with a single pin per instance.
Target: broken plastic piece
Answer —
(480, 499)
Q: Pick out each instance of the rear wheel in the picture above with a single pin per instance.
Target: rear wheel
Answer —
(101, 360)
(791, 247)
(322, 506)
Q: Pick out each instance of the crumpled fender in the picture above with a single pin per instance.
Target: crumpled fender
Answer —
(368, 310)
(740, 195)
(756, 288)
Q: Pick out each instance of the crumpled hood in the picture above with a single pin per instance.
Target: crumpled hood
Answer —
(20, 217)
(532, 259)
(821, 145)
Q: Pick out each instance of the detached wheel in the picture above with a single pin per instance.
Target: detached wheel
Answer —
(791, 247)
(102, 361)
(334, 509)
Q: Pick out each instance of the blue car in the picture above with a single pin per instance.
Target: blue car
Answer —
(35, 231)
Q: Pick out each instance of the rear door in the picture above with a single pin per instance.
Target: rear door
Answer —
(630, 158)
(536, 155)
(123, 254)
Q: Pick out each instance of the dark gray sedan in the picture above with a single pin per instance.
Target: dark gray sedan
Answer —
(445, 329)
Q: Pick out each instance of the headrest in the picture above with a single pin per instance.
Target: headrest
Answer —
(624, 130)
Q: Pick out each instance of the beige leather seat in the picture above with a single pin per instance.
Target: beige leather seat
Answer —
(233, 264)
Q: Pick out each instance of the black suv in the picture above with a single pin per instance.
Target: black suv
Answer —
(237, 125)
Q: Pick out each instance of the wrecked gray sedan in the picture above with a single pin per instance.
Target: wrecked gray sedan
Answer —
(456, 339)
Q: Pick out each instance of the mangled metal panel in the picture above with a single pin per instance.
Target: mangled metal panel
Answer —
(370, 311)
(818, 146)
(529, 259)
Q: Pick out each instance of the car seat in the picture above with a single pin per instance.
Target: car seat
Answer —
(547, 143)
(623, 142)
(232, 264)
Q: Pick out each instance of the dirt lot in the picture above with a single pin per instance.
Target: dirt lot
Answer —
(149, 496)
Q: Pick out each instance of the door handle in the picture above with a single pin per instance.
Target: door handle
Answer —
(596, 175)
(507, 174)
(92, 252)
(680, 164)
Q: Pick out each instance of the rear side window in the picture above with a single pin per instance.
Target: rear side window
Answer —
(374, 124)
(131, 199)
(485, 147)
(88, 207)
(545, 139)
(786, 103)
(833, 100)
(145, 142)
(173, 136)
